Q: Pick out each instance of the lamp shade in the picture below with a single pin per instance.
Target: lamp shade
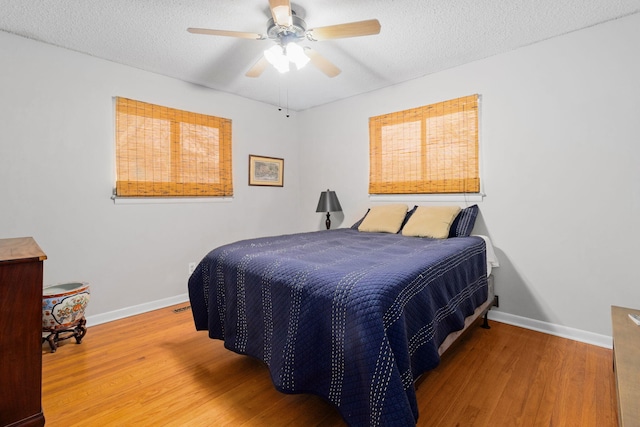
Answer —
(328, 202)
(295, 54)
(276, 57)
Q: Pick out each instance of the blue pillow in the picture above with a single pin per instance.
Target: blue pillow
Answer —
(404, 221)
(357, 224)
(406, 218)
(462, 226)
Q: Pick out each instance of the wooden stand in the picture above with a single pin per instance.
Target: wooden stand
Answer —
(76, 330)
(21, 268)
(626, 363)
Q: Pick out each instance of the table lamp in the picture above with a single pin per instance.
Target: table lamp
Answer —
(328, 203)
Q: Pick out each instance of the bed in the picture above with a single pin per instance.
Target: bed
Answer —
(353, 317)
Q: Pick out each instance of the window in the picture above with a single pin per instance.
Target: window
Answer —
(426, 150)
(164, 152)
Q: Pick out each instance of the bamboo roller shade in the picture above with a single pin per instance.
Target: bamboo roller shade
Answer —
(165, 152)
(429, 149)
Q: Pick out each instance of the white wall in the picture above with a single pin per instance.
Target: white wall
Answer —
(560, 126)
(560, 155)
(57, 171)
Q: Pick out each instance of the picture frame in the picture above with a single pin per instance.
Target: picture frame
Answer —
(266, 171)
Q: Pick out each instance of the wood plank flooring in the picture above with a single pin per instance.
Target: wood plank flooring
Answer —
(156, 370)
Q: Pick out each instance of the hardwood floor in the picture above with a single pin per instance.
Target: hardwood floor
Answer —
(155, 369)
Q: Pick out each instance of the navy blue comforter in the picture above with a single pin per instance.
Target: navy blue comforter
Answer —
(353, 317)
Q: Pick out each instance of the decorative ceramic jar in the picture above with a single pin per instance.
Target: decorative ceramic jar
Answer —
(63, 305)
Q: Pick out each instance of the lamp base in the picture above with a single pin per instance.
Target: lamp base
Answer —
(328, 221)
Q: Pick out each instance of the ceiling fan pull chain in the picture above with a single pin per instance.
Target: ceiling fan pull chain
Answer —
(287, 98)
(280, 94)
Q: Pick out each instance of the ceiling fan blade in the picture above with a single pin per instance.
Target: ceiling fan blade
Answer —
(322, 63)
(341, 31)
(281, 12)
(258, 67)
(240, 34)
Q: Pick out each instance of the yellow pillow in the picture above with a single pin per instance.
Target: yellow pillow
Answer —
(431, 221)
(384, 219)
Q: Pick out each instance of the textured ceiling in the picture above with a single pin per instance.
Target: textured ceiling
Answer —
(418, 37)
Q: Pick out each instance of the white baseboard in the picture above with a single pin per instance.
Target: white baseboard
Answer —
(499, 316)
(136, 309)
(552, 329)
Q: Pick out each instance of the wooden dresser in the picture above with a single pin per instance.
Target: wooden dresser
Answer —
(21, 332)
(626, 362)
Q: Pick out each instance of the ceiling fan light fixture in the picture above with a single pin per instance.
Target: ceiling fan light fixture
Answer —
(295, 54)
(276, 57)
(286, 29)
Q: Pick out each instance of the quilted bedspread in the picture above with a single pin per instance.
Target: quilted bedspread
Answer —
(353, 317)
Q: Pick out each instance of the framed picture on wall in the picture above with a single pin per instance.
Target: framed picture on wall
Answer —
(267, 171)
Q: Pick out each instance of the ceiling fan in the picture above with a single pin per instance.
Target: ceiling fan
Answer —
(287, 30)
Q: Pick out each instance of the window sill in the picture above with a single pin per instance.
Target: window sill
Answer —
(167, 200)
(474, 197)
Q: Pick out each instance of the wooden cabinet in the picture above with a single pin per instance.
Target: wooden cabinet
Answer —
(626, 362)
(21, 266)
